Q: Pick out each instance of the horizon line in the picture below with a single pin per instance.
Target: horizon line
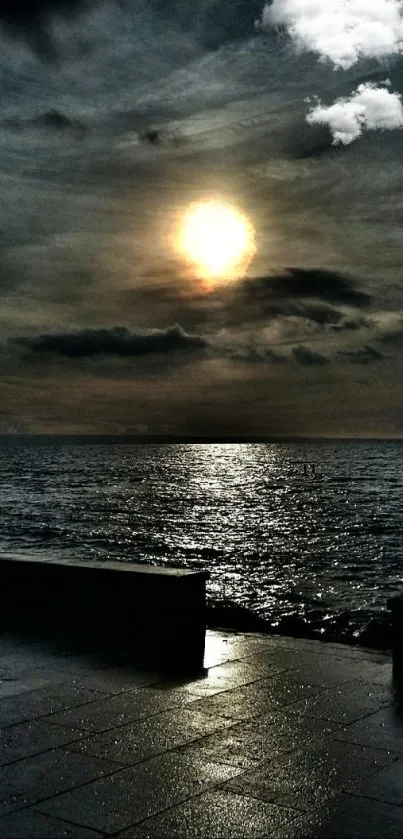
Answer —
(13, 438)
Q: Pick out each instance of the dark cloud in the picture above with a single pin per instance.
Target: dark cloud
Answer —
(351, 324)
(213, 22)
(255, 353)
(256, 305)
(222, 20)
(307, 294)
(152, 136)
(361, 356)
(29, 19)
(318, 313)
(313, 283)
(307, 142)
(115, 341)
(392, 336)
(303, 355)
(52, 120)
(26, 14)
(58, 121)
(315, 148)
(156, 137)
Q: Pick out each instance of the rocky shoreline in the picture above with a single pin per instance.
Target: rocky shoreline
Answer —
(342, 628)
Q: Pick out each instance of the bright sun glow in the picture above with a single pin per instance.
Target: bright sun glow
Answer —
(218, 239)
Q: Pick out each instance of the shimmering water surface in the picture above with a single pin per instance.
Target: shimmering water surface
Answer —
(310, 530)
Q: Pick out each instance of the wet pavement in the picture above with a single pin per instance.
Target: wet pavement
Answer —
(278, 737)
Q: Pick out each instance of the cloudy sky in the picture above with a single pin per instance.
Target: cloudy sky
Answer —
(117, 116)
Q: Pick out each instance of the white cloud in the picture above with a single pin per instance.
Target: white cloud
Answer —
(369, 107)
(342, 31)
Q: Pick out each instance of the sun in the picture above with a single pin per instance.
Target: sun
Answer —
(218, 239)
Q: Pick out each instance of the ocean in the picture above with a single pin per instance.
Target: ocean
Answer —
(307, 536)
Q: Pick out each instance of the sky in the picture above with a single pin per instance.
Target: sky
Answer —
(117, 116)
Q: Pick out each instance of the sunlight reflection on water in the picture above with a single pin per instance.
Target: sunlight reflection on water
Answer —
(283, 529)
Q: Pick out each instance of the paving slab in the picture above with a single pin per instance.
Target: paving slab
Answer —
(386, 785)
(227, 676)
(24, 658)
(116, 802)
(151, 736)
(35, 704)
(332, 669)
(121, 709)
(345, 816)
(258, 697)
(215, 814)
(224, 646)
(31, 738)
(278, 736)
(382, 730)
(29, 781)
(35, 825)
(113, 680)
(287, 642)
(23, 682)
(348, 703)
(302, 778)
(248, 743)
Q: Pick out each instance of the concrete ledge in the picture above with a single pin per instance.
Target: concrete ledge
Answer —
(161, 612)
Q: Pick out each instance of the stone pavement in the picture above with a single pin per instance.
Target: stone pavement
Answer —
(280, 737)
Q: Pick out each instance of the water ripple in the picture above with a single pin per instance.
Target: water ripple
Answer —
(283, 529)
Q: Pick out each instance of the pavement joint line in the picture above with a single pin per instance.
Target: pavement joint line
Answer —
(182, 746)
(93, 733)
(207, 788)
(119, 768)
(392, 752)
(317, 648)
(397, 752)
(253, 681)
(216, 788)
(57, 819)
(333, 793)
(338, 722)
(275, 708)
(369, 748)
(38, 754)
(257, 797)
(242, 794)
(372, 797)
(45, 716)
(371, 775)
(178, 747)
(337, 790)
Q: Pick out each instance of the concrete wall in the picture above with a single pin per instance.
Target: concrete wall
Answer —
(160, 611)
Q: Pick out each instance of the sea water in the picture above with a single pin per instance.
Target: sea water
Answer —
(308, 531)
